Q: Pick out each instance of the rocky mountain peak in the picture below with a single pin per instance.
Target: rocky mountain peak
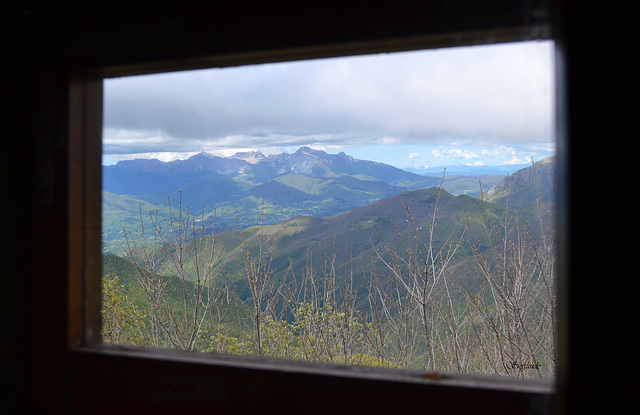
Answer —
(252, 157)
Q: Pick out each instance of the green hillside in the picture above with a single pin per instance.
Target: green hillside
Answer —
(527, 186)
(469, 185)
(337, 268)
(385, 284)
(123, 212)
(353, 237)
(297, 238)
(226, 200)
(355, 234)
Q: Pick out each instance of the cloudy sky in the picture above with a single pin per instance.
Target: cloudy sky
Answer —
(482, 105)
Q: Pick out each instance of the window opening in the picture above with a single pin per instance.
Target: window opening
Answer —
(391, 210)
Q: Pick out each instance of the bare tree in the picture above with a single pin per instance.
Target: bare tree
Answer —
(416, 314)
(417, 270)
(175, 262)
(515, 304)
(257, 271)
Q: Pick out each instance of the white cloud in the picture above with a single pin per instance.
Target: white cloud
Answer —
(514, 160)
(499, 151)
(487, 104)
(500, 93)
(386, 141)
(325, 148)
(455, 153)
(461, 153)
(162, 156)
(420, 166)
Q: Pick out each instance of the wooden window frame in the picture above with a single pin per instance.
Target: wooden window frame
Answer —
(159, 379)
(118, 379)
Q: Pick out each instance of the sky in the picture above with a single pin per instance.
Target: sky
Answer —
(479, 105)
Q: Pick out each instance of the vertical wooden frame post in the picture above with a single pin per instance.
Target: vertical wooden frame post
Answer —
(85, 210)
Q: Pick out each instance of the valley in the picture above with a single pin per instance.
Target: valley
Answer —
(250, 189)
(310, 206)
(326, 258)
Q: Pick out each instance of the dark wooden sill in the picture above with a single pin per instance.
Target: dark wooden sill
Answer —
(160, 381)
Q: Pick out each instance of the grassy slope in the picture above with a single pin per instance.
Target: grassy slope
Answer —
(469, 185)
(352, 236)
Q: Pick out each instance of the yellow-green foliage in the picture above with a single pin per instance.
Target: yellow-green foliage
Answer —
(411, 310)
(119, 317)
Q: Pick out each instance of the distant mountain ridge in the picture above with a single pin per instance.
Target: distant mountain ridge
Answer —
(252, 188)
(465, 170)
(246, 185)
(257, 168)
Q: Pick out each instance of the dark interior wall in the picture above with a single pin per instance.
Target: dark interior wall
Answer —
(84, 36)
(600, 312)
(31, 253)
(40, 45)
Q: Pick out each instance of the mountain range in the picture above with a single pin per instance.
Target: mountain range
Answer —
(250, 188)
(248, 169)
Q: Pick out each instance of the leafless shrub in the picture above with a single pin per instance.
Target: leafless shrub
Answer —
(176, 268)
(515, 306)
(417, 314)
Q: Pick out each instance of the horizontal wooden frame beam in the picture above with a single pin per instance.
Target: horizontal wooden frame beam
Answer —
(143, 39)
(161, 381)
